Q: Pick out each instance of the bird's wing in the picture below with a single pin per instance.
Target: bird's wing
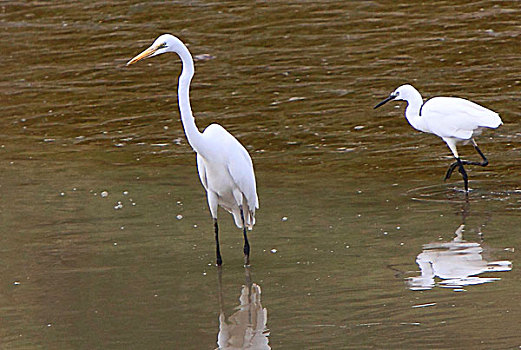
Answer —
(457, 117)
(201, 169)
(240, 167)
(237, 161)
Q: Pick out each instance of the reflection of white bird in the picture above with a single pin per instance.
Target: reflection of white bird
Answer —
(451, 118)
(225, 167)
(246, 328)
(457, 263)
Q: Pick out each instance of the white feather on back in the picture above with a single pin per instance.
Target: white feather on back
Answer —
(457, 117)
(227, 172)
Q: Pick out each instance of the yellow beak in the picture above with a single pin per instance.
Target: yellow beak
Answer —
(147, 53)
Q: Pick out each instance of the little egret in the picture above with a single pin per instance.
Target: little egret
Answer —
(224, 166)
(453, 119)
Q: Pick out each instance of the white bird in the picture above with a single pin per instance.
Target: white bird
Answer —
(458, 263)
(224, 166)
(453, 119)
(247, 328)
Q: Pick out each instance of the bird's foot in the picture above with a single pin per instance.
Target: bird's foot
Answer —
(450, 170)
(459, 164)
(465, 179)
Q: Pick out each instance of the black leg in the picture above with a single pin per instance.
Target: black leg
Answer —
(459, 163)
(246, 243)
(485, 160)
(483, 163)
(219, 261)
(463, 174)
(450, 170)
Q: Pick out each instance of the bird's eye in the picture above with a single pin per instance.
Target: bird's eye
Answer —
(397, 93)
(162, 46)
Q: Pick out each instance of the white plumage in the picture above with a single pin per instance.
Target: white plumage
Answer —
(228, 175)
(457, 117)
(453, 119)
(225, 167)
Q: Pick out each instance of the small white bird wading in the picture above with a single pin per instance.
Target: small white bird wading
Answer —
(453, 119)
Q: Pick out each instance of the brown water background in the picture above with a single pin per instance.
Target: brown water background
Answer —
(106, 241)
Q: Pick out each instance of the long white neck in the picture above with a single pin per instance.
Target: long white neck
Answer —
(194, 136)
(412, 111)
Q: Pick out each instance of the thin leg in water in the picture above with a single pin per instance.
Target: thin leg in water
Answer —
(459, 163)
(246, 243)
(450, 170)
(219, 260)
(485, 160)
(467, 162)
(463, 174)
(451, 142)
(213, 205)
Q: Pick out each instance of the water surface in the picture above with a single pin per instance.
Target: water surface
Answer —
(106, 237)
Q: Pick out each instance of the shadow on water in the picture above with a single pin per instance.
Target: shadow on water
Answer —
(456, 263)
(246, 327)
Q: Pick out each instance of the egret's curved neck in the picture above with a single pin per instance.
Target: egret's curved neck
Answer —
(412, 112)
(183, 94)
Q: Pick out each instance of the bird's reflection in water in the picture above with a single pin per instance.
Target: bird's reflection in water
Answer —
(246, 327)
(457, 263)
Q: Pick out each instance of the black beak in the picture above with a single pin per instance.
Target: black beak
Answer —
(391, 97)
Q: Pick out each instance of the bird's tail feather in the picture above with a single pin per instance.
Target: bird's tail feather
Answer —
(249, 218)
(493, 121)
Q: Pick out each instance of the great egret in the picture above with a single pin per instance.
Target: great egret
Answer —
(224, 166)
(246, 327)
(451, 118)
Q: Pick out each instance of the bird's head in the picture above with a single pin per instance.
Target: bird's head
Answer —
(403, 92)
(164, 43)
